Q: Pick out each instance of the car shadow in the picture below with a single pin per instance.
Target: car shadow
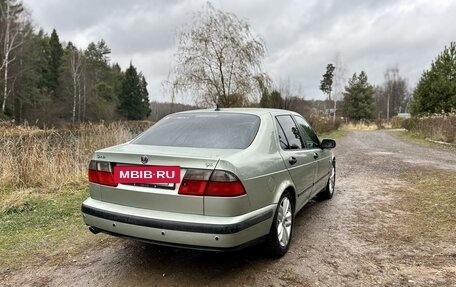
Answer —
(138, 263)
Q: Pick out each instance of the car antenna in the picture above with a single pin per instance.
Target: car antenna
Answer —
(217, 108)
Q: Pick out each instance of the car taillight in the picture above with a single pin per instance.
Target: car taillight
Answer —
(194, 182)
(211, 183)
(101, 172)
(224, 183)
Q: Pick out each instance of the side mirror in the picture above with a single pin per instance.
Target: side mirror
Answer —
(328, 144)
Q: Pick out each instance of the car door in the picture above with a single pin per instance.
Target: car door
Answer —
(322, 157)
(299, 161)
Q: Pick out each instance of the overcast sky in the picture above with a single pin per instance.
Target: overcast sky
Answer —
(301, 37)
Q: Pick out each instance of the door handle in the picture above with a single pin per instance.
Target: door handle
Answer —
(316, 155)
(292, 160)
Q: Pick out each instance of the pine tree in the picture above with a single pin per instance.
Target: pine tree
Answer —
(31, 98)
(327, 81)
(359, 98)
(101, 83)
(436, 90)
(134, 101)
(145, 106)
(55, 61)
(276, 100)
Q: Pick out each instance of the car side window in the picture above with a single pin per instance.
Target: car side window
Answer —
(308, 134)
(282, 138)
(289, 136)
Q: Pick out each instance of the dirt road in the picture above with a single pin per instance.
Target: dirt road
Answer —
(342, 242)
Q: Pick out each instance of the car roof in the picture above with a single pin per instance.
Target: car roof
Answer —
(251, 111)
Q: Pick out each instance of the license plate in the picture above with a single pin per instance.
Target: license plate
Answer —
(166, 176)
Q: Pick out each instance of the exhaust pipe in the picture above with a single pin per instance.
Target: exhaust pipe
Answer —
(94, 230)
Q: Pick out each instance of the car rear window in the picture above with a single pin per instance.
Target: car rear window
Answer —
(203, 130)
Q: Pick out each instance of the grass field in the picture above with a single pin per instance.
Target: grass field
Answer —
(421, 140)
(335, 134)
(39, 226)
(429, 202)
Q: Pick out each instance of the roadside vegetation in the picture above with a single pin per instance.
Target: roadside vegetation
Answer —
(43, 181)
(424, 209)
(38, 226)
(429, 203)
(436, 127)
(419, 139)
(334, 134)
(49, 158)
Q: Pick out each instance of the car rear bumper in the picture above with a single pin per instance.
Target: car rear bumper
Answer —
(185, 230)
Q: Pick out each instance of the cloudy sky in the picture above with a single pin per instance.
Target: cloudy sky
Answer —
(301, 37)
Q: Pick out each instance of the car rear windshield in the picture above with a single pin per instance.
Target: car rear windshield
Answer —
(203, 130)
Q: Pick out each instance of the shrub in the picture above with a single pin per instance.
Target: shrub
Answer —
(323, 124)
(398, 122)
(436, 127)
(380, 124)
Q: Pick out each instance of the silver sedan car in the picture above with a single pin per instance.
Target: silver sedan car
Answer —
(211, 179)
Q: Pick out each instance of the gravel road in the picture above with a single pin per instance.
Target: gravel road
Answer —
(335, 243)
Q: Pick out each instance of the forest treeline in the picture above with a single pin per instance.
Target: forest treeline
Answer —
(47, 82)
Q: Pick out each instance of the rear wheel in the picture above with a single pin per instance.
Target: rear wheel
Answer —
(282, 226)
(328, 192)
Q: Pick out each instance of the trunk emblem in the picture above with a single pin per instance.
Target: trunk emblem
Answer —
(144, 159)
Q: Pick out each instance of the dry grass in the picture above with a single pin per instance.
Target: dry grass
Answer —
(417, 138)
(430, 204)
(49, 159)
(323, 123)
(360, 126)
(334, 134)
(435, 127)
(43, 181)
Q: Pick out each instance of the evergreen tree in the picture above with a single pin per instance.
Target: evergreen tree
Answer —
(134, 101)
(32, 101)
(100, 80)
(327, 81)
(265, 99)
(276, 100)
(145, 105)
(436, 90)
(55, 61)
(359, 98)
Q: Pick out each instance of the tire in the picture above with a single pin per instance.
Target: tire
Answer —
(279, 237)
(328, 192)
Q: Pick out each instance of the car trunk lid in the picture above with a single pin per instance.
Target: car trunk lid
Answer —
(157, 197)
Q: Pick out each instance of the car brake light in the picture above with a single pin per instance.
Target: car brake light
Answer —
(224, 183)
(194, 182)
(216, 183)
(101, 172)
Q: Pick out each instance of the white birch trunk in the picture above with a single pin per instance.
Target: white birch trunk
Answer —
(10, 43)
(6, 51)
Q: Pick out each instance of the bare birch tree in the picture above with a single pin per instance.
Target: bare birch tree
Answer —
(339, 81)
(76, 69)
(394, 93)
(13, 18)
(219, 60)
